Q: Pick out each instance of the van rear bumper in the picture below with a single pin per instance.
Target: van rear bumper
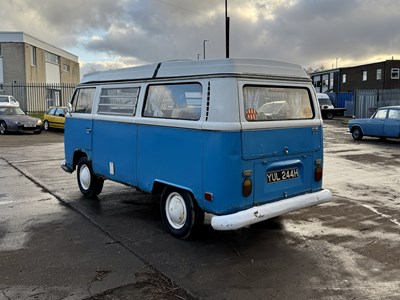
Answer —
(267, 211)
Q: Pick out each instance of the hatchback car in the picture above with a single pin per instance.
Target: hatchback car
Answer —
(14, 119)
(8, 101)
(54, 118)
(384, 123)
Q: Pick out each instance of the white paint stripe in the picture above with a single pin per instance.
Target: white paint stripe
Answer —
(390, 218)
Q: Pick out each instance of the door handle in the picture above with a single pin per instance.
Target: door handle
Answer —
(88, 130)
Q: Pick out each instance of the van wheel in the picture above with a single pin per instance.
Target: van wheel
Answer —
(180, 212)
(89, 184)
(356, 133)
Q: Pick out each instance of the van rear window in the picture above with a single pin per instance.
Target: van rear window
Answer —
(262, 103)
(174, 101)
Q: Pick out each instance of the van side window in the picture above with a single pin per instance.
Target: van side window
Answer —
(262, 103)
(174, 101)
(118, 101)
(82, 101)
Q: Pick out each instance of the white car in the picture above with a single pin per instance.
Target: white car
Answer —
(8, 101)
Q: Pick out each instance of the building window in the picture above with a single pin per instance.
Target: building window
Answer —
(52, 58)
(65, 68)
(379, 74)
(364, 75)
(395, 73)
(1, 53)
(33, 56)
(344, 78)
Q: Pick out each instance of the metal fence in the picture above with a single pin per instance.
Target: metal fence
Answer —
(38, 97)
(367, 101)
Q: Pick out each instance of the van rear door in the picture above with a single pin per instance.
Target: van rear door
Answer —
(282, 136)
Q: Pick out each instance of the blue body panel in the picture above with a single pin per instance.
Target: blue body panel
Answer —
(115, 142)
(81, 140)
(170, 155)
(283, 149)
(392, 128)
(374, 127)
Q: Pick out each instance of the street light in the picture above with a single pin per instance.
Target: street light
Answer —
(227, 20)
(204, 48)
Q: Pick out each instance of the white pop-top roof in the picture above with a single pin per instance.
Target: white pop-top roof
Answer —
(238, 66)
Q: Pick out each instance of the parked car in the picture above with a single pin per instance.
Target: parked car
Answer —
(384, 123)
(14, 119)
(54, 117)
(8, 101)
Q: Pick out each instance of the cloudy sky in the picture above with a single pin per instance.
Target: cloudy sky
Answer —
(108, 34)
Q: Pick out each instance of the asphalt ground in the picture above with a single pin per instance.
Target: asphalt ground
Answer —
(51, 250)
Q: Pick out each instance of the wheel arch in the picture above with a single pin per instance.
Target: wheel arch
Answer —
(159, 186)
(78, 154)
(357, 126)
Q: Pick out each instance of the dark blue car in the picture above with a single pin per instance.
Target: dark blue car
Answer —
(384, 123)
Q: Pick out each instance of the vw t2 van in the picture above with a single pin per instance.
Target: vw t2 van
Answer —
(238, 140)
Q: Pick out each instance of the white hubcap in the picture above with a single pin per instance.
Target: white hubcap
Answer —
(84, 177)
(175, 210)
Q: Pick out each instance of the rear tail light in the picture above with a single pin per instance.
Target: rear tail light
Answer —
(318, 170)
(247, 187)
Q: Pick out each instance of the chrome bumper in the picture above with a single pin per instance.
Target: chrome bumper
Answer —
(267, 211)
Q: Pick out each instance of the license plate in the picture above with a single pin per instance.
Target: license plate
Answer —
(282, 175)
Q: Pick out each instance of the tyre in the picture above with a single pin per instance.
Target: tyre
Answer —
(46, 125)
(180, 213)
(356, 133)
(329, 115)
(3, 127)
(89, 184)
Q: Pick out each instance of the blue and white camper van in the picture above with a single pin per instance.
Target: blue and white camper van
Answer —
(237, 139)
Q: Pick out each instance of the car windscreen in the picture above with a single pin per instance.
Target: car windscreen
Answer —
(324, 101)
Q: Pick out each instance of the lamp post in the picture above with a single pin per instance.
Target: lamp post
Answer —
(204, 48)
(226, 29)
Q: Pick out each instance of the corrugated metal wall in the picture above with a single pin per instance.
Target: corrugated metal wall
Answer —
(367, 101)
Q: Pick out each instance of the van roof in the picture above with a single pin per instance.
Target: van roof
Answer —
(170, 69)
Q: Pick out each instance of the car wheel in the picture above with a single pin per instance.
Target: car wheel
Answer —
(180, 213)
(3, 127)
(329, 115)
(89, 184)
(356, 133)
(46, 125)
